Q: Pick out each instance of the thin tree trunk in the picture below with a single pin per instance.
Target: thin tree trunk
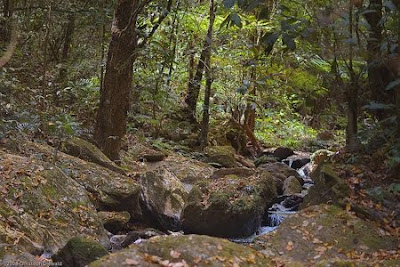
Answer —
(397, 72)
(209, 80)
(102, 55)
(193, 89)
(352, 93)
(69, 31)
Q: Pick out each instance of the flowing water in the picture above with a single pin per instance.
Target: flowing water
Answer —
(284, 207)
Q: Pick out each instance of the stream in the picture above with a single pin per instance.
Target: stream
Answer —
(284, 206)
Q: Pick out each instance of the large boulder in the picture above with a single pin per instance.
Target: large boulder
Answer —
(187, 170)
(163, 197)
(108, 190)
(231, 205)
(42, 208)
(79, 252)
(328, 187)
(222, 155)
(189, 250)
(323, 233)
(280, 171)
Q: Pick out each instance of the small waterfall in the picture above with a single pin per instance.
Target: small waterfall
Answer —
(285, 206)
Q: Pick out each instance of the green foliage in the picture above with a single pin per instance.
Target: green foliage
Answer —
(284, 129)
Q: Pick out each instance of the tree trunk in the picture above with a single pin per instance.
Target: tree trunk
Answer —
(397, 72)
(193, 89)
(115, 94)
(352, 94)
(376, 82)
(69, 31)
(209, 80)
(251, 111)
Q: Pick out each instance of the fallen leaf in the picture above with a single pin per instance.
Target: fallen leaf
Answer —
(289, 246)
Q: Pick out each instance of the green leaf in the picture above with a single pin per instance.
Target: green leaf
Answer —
(236, 20)
(226, 22)
(270, 38)
(288, 40)
(229, 3)
(393, 85)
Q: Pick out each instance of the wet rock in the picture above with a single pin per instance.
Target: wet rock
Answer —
(291, 186)
(325, 232)
(328, 187)
(116, 242)
(297, 161)
(188, 250)
(114, 221)
(79, 252)
(84, 150)
(230, 206)
(282, 153)
(224, 155)
(42, 207)
(133, 236)
(108, 190)
(163, 196)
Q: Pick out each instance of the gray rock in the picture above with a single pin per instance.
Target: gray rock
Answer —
(291, 186)
(163, 196)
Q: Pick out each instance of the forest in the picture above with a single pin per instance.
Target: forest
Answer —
(200, 133)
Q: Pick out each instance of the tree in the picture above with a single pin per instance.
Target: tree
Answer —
(193, 89)
(209, 78)
(115, 94)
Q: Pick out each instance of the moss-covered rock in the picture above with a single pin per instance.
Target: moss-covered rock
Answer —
(190, 250)
(79, 252)
(187, 170)
(280, 171)
(322, 233)
(84, 150)
(328, 187)
(223, 155)
(163, 196)
(291, 186)
(108, 190)
(114, 221)
(42, 207)
(230, 206)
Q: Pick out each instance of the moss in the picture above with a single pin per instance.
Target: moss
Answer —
(80, 252)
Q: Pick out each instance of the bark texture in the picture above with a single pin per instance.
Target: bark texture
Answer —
(117, 85)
